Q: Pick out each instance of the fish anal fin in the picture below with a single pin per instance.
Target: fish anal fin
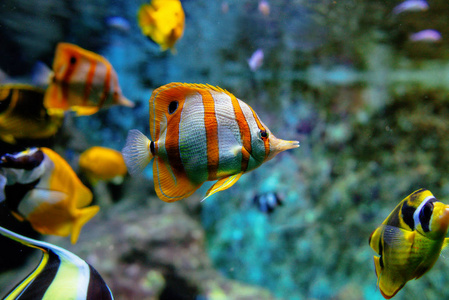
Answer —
(222, 184)
(84, 215)
(85, 110)
(169, 186)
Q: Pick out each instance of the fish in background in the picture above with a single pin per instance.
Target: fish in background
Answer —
(23, 115)
(100, 163)
(39, 186)
(411, 5)
(200, 133)
(256, 60)
(409, 241)
(60, 275)
(118, 23)
(267, 202)
(82, 81)
(264, 7)
(163, 22)
(427, 35)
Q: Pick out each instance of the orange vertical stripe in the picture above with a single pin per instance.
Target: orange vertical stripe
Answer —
(245, 133)
(211, 125)
(89, 80)
(65, 82)
(266, 142)
(172, 142)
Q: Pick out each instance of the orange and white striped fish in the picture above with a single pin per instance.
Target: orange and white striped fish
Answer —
(199, 133)
(82, 81)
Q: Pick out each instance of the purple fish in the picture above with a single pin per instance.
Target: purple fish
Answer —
(256, 60)
(427, 35)
(411, 5)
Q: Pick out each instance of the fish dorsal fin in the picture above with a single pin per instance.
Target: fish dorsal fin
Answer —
(169, 99)
(222, 185)
(171, 186)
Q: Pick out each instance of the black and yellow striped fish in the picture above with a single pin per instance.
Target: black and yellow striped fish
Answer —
(60, 275)
(23, 115)
(409, 241)
(200, 133)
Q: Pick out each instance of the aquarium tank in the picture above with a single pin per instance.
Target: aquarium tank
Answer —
(226, 149)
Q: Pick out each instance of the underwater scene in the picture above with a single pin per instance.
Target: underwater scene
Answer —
(226, 149)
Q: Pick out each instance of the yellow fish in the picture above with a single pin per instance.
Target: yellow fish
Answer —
(200, 133)
(82, 81)
(59, 275)
(23, 115)
(40, 186)
(409, 241)
(100, 163)
(162, 21)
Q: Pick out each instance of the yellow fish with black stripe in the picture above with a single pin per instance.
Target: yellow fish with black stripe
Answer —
(200, 133)
(23, 114)
(39, 186)
(60, 275)
(409, 241)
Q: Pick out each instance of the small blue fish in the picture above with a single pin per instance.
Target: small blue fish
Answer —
(427, 35)
(60, 275)
(267, 202)
(411, 5)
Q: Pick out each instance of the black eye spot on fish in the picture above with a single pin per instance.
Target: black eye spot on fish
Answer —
(72, 60)
(425, 214)
(172, 107)
(407, 215)
(263, 134)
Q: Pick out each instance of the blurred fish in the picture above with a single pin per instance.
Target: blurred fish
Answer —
(162, 21)
(264, 7)
(60, 275)
(267, 202)
(118, 23)
(82, 81)
(100, 163)
(411, 5)
(224, 7)
(409, 241)
(256, 60)
(23, 115)
(43, 189)
(427, 35)
(200, 133)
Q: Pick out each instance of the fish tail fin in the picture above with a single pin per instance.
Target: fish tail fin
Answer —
(144, 15)
(136, 153)
(85, 214)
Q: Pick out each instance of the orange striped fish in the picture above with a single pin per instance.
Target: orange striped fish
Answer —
(83, 81)
(200, 133)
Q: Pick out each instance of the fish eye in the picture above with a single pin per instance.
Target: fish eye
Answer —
(425, 214)
(172, 107)
(72, 60)
(263, 134)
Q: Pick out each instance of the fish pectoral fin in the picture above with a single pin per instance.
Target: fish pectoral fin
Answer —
(378, 268)
(84, 215)
(222, 185)
(170, 185)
